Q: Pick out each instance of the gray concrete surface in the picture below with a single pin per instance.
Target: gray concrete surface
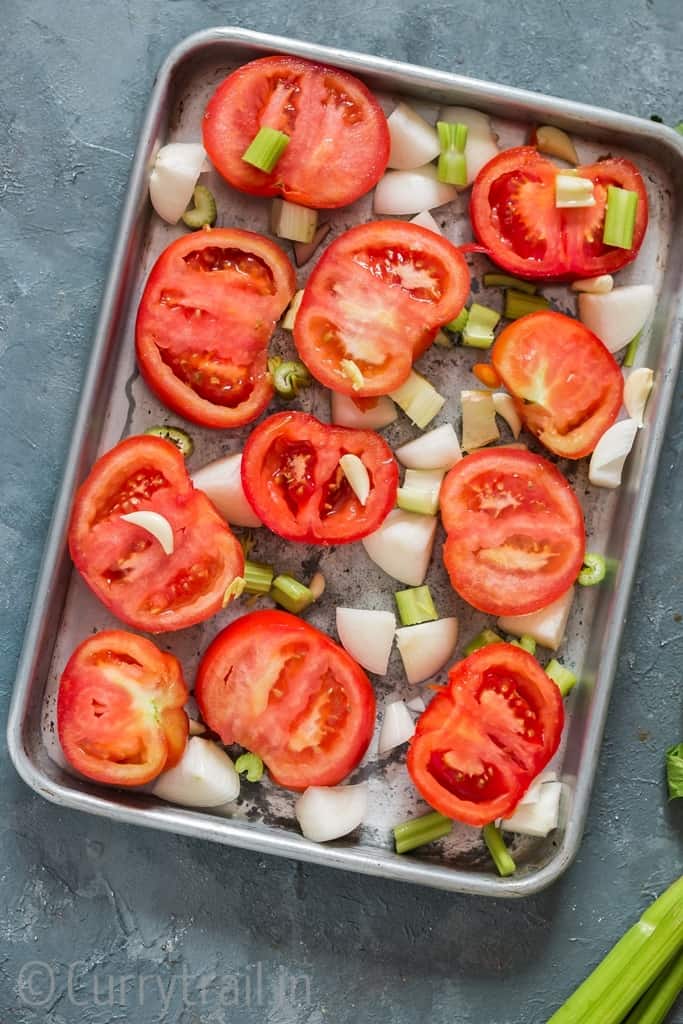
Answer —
(158, 928)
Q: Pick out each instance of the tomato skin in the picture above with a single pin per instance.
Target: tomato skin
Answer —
(516, 537)
(120, 716)
(124, 565)
(475, 752)
(567, 386)
(377, 297)
(291, 473)
(287, 692)
(513, 214)
(338, 135)
(208, 311)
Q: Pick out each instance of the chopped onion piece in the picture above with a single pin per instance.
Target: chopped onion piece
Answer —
(292, 310)
(571, 192)
(368, 636)
(478, 419)
(221, 481)
(419, 399)
(357, 475)
(414, 142)
(409, 192)
(345, 412)
(437, 449)
(402, 546)
(547, 626)
(427, 647)
(329, 812)
(540, 818)
(204, 777)
(609, 455)
(397, 727)
(425, 220)
(637, 391)
(534, 791)
(554, 142)
(196, 728)
(481, 142)
(156, 524)
(617, 316)
(594, 285)
(416, 704)
(173, 178)
(505, 407)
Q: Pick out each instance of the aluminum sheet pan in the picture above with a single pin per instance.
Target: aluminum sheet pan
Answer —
(116, 403)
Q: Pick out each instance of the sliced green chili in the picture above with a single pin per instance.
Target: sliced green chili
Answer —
(203, 213)
(594, 570)
(182, 440)
(288, 376)
(250, 765)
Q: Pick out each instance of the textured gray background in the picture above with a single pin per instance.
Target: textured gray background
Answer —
(175, 915)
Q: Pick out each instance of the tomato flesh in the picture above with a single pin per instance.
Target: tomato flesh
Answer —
(295, 485)
(338, 136)
(285, 691)
(484, 738)
(567, 387)
(376, 299)
(515, 535)
(120, 716)
(514, 216)
(206, 316)
(124, 565)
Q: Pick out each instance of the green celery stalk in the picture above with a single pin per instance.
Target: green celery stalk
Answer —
(660, 997)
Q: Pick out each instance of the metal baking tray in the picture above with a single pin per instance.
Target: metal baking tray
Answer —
(115, 403)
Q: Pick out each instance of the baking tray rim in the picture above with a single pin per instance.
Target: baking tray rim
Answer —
(233, 832)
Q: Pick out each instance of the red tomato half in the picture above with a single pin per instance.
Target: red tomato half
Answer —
(376, 299)
(513, 214)
(338, 136)
(120, 715)
(516, 538)
(206, 316)
(567, 386)
(485, 736)
(124, 565)
(284, 690)
(295, 485)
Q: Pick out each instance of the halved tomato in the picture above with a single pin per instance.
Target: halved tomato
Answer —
(124, 565)
(284, 690)
(485, 736)
(120, 715)
(566, 385)
(338, 136)
(295, 485)
(514, 216)
(374, 302)
(516, 538)
(206, 316)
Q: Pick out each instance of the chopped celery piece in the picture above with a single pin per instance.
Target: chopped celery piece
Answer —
(565, 679)
(620, 218)
(478, 331)
(182, 440)
(415, 606)
(679, 127)
(441, 340)
(297, 223)
(493, 280)
(452, 166)
(203, 213)
(483, 639)
(493, 838)
(420, 491)
(258, 576)
(573, 191)
(419, 400)
(527, 643)
(292, 595)
(519, 304)
(292, 310)
(419, 831)
(654, 1007)
(630, 968)
(630, 356)
(288, 376)
(250, 765)
(457, 325)
(674, 771)
(594, 570)
(266, 148)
